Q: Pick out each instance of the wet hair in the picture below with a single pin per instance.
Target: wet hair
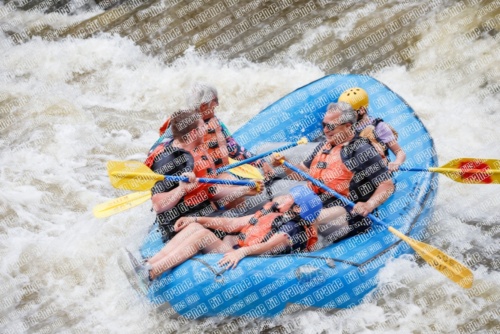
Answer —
(183, 122)
(348, 115)
(200, 93)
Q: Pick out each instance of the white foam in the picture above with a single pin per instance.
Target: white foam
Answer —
(99, 99)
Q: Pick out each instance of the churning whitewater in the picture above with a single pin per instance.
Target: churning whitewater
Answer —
(69, 105)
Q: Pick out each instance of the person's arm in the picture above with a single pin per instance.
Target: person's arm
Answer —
(167, 200)
(276, 159)
(303, 166)
(381, 194)
(238, 152)
(386, 134)
(229, 225)
(277, 242)
(223, 191)
(400, 155)
(375, 173)
(164, 201)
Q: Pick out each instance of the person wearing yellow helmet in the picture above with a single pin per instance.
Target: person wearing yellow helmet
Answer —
(382, 136)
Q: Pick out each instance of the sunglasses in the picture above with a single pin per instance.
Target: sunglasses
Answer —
(331, 126)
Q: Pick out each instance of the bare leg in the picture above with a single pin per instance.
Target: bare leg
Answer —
(235, 198)
(332, 223)
(230, 241)
(224, 246)
(175, 242)
(202, 239)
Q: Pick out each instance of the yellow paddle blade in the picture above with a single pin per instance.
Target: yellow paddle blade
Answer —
(471, 170)
(132, 175)
(120, 204)
(302, 140)
(246, 171)
(445, 264)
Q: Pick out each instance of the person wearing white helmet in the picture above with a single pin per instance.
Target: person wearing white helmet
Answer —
(382, 136)
(220, 144)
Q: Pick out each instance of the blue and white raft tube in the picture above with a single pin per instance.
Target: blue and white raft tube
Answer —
(338, 276)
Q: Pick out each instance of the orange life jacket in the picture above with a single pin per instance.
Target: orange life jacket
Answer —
(264, 224)
(214, 140)
(216, 144)
(203, 167)
(327, 167)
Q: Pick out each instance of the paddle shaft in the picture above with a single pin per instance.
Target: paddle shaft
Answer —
(257, 157)
(331, 191)
(451, 170)
(213, 181)
(158, 177)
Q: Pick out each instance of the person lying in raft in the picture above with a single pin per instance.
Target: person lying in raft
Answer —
(220, 144)
(283, 226)
(186, 155)
(381, 135)
(350, 165)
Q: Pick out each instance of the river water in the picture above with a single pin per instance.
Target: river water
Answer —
(83, 83)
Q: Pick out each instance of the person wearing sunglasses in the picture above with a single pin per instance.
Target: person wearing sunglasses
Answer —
(350, 165)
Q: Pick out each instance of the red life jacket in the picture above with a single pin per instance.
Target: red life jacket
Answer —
(152, 156)
(260, 229)
(327, 167)
(150, 160)
(216, 144)
(164, 127)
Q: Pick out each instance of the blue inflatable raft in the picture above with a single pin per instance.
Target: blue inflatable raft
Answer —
(338, 276)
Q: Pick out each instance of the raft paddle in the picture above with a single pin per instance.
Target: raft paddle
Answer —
(448, 266)
(466, 170)
(236, 163)
(120, 204)
(129, 201)
(144, 178)
(244, 171)
(134, 175)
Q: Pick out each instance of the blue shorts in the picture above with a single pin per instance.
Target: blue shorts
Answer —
(296, 237)
(357, 223)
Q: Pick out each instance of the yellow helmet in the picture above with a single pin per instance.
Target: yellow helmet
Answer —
(356, 97)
